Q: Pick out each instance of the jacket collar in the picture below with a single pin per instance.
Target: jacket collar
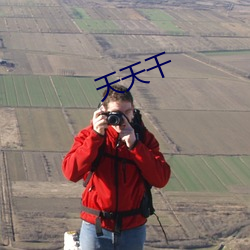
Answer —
(111, 132)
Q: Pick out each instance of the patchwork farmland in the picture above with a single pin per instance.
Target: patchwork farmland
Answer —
(199, 112)
(48, 91)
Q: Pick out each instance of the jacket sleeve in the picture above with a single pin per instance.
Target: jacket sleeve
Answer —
(151, 161)
(84, 150)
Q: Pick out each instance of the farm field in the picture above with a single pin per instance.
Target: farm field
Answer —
(216, 132)
(9, 137)
(224, 43)
(21, 128)
(46, 47)
(41, 156)
(162, 20)
(182, 66)
(56, 44)
(55, 54)
(199, 113)
(105, 20)
(236, 59)
(79, 118)
(39, 130)
(41, 196)
(97, 25)
(209, 173)
(209, 23)
(46, 91)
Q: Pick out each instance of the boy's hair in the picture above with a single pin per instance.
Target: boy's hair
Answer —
(114, 96)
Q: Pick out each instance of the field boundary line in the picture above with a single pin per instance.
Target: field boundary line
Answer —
(27, 89)
(79, 29)
(182, 184)
(248, 166)
(206, 110)
(54, 87)
(70, 91)
(5, 93)
(28, 92)
(69, 123)
(42, 88)
(197, 177)
(77, 79)
(214, 172)
(7, 207)
(16, 94)
(216, 67)
(65, 115)
(174, 213)
(167, 153)
(25, 166)
(232, 171)
(166, 138)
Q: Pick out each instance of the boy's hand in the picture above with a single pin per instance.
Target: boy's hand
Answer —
(99, 121)
(127, 133)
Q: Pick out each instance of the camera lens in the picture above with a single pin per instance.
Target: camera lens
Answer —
(114, 119)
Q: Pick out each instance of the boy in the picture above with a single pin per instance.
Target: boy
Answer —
(113, 197)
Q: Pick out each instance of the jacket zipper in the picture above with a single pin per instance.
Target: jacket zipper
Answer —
(116, 166)
(116, 177)
(124, 170)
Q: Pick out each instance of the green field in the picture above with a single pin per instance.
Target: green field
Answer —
(226, 53)
(79, 13)
(156, 14)
(45, 91)
(94, 25)
(87, 23)
(208, 173)
(161, 19)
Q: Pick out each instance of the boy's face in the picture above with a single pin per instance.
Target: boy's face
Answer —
(124, 107)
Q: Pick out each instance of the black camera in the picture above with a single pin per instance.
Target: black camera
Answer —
(114, 118)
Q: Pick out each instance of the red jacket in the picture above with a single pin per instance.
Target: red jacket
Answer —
(101, 192)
